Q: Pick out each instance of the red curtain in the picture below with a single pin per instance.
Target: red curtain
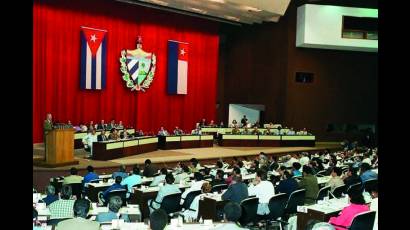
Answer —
(56, 65)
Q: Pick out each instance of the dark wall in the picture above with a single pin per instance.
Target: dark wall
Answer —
(259, 68)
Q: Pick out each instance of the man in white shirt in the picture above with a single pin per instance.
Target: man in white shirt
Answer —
(293, 159)
(304, 160)
(162, 132)
(262, 189)
(195, 186)
(88, 141)
(160, 178)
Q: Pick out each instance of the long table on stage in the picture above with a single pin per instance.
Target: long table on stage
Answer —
(185, 141)
(78, 137)
(108, 150)
(241, 140)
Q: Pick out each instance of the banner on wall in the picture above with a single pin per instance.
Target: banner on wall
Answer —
(93, 58)
(177, 67)
(138, 67)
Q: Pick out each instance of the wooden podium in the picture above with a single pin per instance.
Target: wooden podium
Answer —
(59, 148)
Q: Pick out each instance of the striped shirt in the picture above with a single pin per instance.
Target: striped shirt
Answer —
(62, 209)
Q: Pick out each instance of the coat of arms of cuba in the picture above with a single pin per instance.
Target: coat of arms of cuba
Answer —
(137, 67)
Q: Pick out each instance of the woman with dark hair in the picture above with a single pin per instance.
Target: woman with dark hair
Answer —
(357, 206)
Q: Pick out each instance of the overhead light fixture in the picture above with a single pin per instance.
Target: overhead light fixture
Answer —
(218, 1)
(159, 2)
(197, 10)
(232, 18)
(251, 9)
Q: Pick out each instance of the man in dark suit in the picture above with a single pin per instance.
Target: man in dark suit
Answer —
(149, 170)
(102, 136)
(102, 125)
(237, 191)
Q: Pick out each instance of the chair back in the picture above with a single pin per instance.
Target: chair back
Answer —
(249, 208)
(321, 173)
(339, 190)
(369, 183)
(76, 189)
(364, 220)
(219, 187)
(277, 204)
(189, 198)
(54, 222)
(323, 192)
(170, 203)
(118, 192)
(295, 198)
(355, 187)
(95, 181)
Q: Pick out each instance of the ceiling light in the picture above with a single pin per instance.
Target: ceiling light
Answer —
(232, 18)
(197, 10)
(159, 2)
(250, 8)
(218, 1)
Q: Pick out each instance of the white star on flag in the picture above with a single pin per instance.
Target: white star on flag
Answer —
(182, 51)
(93, 38)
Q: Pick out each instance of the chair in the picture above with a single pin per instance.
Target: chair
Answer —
(219, 187)
(321, 173)
(118, 192)
(277, 204)
(367, 185)
(249, 210)
(323, 192)
(337, 192)
(76, 189)
(54, 222)
(355, 187)
(189, 198)
(364, 220)
(170, 204)
(95, 181)
(295, 198)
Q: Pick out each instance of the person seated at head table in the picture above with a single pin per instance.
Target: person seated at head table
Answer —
(219, 178)
(196, 131)
(168, 189)
(267, 131)
(235, 171)
(91, 125)
(73, 178)
(125, 134)
(357, 206)
(309, 182)
(158, 220)
(102, 125)
(237, 190)
(120, 125)
(149, 170)
(262, 189)
(81, 208)
(132, 180)
(111, 125)
(83, 128)
(102, 136)
(178, 131)
(291, 132)
(255, 131)
(288, 184)
(51, 195)
(114, 134)
(233, 124)
(69, 124)
(117, 185)
(162, 132)
(182, 175)
(256, 125)
(91, 175)
(63, 208)
(244, 121)
(246, 131)
(88, 141)
(236, 130)
(335, 180)
(121, 172)
(192, 212)
(202, 123)
(160, 178)
(195, 186)
(114, 206)
(232, 213)
(212, 123)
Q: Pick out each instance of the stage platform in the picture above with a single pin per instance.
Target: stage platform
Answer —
(163, 158)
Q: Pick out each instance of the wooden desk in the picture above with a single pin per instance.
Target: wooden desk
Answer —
(265, 140)
(78, 137)
(109, 150)
(185, 141)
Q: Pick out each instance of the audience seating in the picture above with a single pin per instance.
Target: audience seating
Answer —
(118, 192)
(361, 221)
(77, 189)
(355, 187)
(218, 188)
(295, 198)
(323, 192)
(249, 209)
(339, 190)
(369, 183)
(277, 205)
(189, 198)
(170, 204)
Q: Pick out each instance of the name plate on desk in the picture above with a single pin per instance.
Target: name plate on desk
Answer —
(209, 130)
(189, 138)
(115, 145)
(240, 137)
(130, 143)
(298, 138)
(172, 139)
(207, 137)
(146, 141)
(267, 137)
(131, 131)
(79, 135)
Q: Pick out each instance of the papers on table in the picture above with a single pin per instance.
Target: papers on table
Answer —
(323, 179)
(213, 196)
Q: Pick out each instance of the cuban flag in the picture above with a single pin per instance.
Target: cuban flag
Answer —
(177, 67)
(93, 58)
